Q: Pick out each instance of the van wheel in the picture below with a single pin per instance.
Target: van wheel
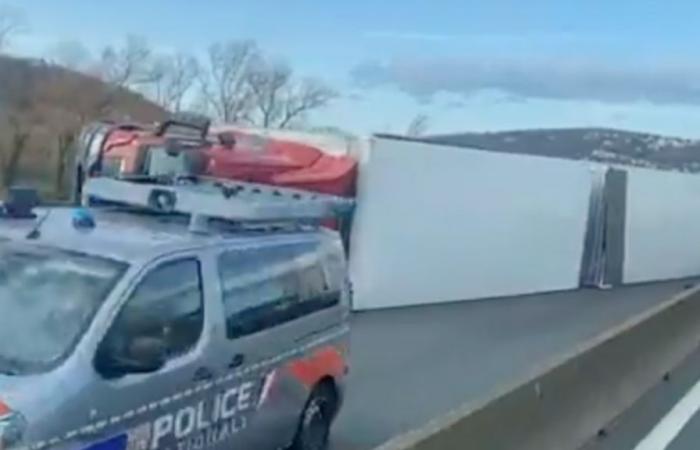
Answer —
(315, 424)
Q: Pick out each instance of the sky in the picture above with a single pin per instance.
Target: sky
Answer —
(467, 65)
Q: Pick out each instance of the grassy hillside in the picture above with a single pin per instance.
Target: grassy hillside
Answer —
(42, 109)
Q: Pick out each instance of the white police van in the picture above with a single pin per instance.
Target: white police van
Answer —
(189, 315)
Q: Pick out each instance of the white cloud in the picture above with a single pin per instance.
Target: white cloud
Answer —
(552, 77)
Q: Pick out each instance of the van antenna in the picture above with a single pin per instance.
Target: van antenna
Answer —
(35, 232)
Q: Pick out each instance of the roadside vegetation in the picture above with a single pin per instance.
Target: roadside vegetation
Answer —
(45, 102)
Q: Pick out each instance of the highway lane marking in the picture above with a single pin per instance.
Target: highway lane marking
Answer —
(661, 436)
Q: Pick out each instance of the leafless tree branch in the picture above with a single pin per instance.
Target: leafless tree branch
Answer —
(18, 101)
(267, 84)
(308, 95)
(12, 22)
(173, 77)
(223, 86)
(129, 65)
(418, 126)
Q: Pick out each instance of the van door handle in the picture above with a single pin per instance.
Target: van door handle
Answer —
(237, 361)
(203, 374)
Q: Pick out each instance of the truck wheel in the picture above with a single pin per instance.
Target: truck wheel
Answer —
(315, 424)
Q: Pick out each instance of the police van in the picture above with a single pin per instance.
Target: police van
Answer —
(183, 315)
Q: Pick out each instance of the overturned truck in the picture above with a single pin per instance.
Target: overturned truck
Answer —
(186, 144)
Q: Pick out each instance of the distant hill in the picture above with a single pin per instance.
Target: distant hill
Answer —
(24, 81)
(595, 144)
(43, 107)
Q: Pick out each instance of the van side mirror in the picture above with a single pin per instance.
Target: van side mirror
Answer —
(140, 355)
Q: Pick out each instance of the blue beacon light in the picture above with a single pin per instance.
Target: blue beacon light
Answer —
(83, 219)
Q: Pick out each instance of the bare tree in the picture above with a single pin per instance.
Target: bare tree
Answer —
(269, 87)
(306, 96)
(17, 98)
(239, 85)
(418, 126)
(278, 101)
(12, 22)
(62, 103)
(223, 85)
(173, 77)
(129, 65)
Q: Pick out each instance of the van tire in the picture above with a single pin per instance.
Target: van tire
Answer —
(314, 426)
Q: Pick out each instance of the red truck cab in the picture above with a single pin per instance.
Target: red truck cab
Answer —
(184, 145)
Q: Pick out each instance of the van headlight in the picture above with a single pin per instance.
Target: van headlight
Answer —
(12, 428)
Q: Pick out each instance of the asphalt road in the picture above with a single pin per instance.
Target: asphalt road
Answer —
(412, 364)
(666, 418)
(689, 437)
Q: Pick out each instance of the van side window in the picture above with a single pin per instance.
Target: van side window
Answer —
(315, 293)
(268, 287)
(167, 303)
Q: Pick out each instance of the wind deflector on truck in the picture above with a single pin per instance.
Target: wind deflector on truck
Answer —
(205, 198)
(185, 125)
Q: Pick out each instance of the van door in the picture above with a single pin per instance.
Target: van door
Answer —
(253, 281)
(270, 309)
(176, 406)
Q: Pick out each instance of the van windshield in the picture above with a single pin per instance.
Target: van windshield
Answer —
(47, 299)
